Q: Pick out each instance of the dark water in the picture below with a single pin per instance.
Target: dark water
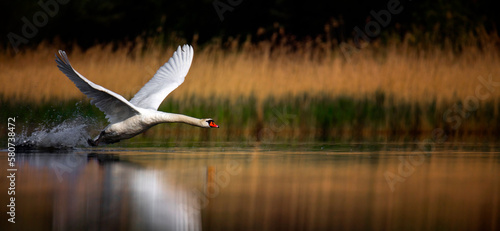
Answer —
(362, 186)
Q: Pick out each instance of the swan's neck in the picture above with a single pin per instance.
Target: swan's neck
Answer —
(163, 117)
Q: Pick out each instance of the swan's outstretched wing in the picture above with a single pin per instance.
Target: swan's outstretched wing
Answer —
(113, 105)
(166, 79)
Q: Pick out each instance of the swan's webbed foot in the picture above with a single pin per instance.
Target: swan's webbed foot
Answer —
(92, 143)
(95, 142)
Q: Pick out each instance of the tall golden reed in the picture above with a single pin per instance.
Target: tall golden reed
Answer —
(263, 70)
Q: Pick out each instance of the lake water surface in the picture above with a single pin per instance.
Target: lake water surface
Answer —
(354, 186)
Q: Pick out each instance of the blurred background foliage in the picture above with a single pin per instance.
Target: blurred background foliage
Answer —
(283, 75)
(90, 22)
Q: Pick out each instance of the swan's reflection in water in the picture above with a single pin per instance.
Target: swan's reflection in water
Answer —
(163, 206)
(101, 192)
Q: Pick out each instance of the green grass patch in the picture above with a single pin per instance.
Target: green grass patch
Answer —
(294, 118)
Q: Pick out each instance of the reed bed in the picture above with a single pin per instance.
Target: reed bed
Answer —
(264, 91)
(262, 70)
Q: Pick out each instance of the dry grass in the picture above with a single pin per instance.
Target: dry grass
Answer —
(262, 70)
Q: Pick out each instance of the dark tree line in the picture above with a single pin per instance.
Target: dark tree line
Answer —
(25, 23)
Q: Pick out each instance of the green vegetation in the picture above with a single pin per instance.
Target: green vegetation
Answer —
(302, 118)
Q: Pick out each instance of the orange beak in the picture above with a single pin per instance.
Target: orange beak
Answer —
(213, 125)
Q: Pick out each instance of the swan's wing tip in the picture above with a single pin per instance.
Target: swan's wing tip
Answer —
(62, 58)
(185, 48)
(167, 78)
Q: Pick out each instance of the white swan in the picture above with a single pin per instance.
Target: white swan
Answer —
(130, 118)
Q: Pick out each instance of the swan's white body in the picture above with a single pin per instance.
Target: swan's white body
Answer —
(130, 118)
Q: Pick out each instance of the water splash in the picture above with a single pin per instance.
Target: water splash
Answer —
(70, 133)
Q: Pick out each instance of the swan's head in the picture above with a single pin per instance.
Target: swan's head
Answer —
(209, 123)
